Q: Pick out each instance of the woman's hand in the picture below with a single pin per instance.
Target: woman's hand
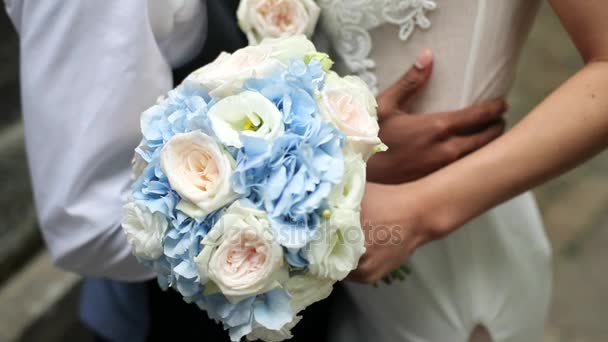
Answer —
(421, 144)
(396, 220)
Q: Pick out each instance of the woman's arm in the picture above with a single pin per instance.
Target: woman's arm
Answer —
(567, 128)
(570, 126)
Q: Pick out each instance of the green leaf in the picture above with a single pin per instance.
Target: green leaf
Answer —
(326, 62)
(210, 289)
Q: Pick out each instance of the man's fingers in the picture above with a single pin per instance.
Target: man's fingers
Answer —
(471, 119)
(398, 95)
(459, 146)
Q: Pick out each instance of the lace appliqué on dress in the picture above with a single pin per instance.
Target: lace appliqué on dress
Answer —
(348, 23)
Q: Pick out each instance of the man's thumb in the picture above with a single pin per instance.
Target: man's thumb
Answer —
(402, 91)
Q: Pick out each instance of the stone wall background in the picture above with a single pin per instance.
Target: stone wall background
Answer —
(574, 208)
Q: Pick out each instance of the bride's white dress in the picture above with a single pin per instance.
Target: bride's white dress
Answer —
(494, 272)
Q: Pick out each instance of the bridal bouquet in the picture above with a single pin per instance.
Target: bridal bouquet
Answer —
(248, 185)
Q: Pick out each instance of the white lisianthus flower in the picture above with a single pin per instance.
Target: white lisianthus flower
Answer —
(225, 76)
(145, 230)
(349, 193)
(306, 289)
(338, 246)
(350, 105)
(199, 170)
(240, 255)
(261, 19)
(247, 113)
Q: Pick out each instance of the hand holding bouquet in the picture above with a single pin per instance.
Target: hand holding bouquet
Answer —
(249, 180)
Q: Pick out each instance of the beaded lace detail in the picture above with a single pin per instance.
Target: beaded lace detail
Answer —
(348, 23)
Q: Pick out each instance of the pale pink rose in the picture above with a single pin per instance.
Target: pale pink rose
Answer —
(351, 116)
(240, 256)
(261, 19)
(349, 104)
(199, 170)
(225, 76)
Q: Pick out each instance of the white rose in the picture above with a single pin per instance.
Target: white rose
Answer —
(261, 19)
(287, 49)
(225, 76)
(338, 246)
(199, 170)
(350, 105)
(240, 254)
(145, 230)
(349, 193)
(261, 333)
(307, 289)
(247, 113)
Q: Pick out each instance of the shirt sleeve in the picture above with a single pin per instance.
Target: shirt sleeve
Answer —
(88, 69)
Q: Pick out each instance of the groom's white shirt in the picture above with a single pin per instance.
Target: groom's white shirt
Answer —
(88, 69)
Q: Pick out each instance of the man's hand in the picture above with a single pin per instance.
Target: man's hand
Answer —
(421, 144)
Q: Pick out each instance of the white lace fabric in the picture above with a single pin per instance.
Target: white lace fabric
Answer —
(349, 23)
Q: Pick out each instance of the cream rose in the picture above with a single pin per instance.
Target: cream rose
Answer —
(336, 250)
(225, 76)
(261, 19)
(145, 230)
(247, 113)
(350, 105)
(199, 170)
(240, 255)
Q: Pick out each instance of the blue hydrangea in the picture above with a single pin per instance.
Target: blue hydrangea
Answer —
(291, 177)
(181, 245)
(271, 310)
(183, 110)
(153, 190)
(293, 90)
(296, 258)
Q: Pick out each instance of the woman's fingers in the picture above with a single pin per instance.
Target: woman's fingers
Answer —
(367, 271)
(396, 98)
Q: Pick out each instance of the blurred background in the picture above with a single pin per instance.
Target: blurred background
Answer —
(38, 302)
